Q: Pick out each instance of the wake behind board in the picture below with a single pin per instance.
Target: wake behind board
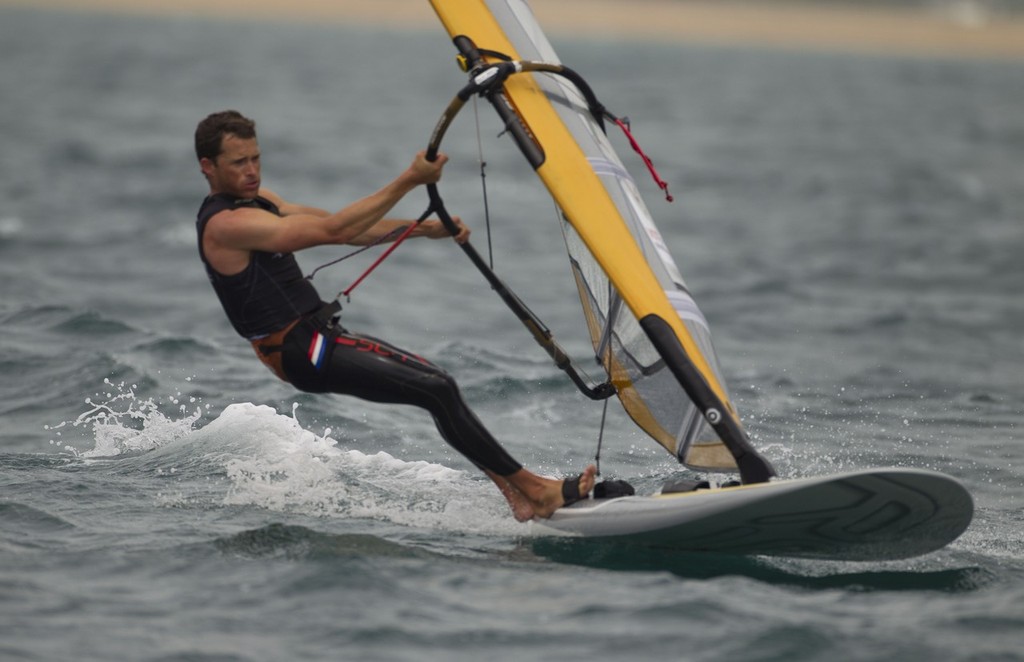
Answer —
(871, 515)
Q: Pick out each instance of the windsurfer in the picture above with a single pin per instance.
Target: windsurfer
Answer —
(247, 239)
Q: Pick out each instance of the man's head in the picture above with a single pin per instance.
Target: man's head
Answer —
(229, 154)
(211, 131)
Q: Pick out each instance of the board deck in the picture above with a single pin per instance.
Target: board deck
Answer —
(878, 514)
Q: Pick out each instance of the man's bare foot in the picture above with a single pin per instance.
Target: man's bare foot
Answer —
(530, 496)
(521, 508)
(553, 497)
(517, 501)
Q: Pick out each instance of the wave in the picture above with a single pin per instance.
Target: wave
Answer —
(814, 575)
(302, 543)
(27, 528)
(278, 465)
(11, 227)
(269, 461)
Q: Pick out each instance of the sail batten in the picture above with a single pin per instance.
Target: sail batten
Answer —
(647, 330)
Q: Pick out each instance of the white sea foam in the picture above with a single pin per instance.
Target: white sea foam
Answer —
(284, 467)
(271, 461)
(122, 422)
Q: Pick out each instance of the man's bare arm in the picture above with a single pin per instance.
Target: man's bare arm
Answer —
(249, 229)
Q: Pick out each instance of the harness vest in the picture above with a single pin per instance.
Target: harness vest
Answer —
(271, 292)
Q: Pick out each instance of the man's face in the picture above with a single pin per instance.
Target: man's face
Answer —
(236, 170)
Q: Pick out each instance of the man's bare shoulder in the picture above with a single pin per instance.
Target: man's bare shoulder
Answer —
(291, 208)
(236, 228)
(273, 197)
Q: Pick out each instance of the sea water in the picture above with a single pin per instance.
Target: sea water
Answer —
(852, 226)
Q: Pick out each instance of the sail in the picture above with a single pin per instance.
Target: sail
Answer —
(646, 328)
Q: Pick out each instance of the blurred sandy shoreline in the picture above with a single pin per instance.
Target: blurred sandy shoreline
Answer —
(957, 29)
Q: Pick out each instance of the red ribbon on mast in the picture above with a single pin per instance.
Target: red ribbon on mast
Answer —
(662, 184)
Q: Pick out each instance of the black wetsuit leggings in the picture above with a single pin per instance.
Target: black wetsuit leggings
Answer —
(328, 359)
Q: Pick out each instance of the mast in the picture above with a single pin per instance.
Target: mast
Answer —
(658, 340)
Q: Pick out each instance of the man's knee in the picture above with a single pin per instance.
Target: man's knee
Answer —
(439, 381)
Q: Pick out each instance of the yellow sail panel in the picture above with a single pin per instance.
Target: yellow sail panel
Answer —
(621, 377)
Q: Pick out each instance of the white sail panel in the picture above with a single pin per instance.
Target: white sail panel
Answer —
(621, 264)
(650, 393)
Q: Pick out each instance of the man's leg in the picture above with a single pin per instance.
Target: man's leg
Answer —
(373, 370)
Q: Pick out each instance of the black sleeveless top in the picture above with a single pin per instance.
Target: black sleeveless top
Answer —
(268, 294)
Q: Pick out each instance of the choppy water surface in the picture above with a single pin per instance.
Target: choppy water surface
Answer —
(852, 227)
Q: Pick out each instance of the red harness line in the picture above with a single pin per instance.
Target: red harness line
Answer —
(402, 237)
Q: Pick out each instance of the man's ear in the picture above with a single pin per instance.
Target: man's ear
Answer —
(207, 166)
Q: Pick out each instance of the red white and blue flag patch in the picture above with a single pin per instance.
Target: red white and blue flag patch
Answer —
(317, 350)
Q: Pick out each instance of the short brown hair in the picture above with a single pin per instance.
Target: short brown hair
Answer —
(211, 131)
